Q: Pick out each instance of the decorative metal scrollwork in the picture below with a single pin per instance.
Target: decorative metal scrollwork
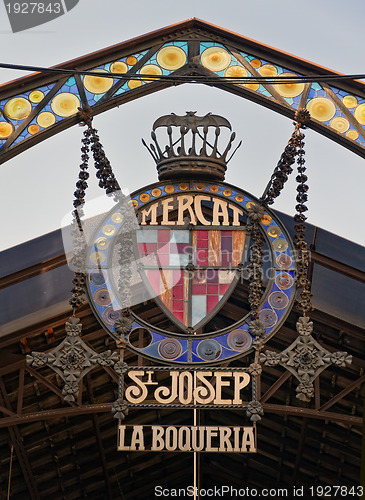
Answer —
(305, 358)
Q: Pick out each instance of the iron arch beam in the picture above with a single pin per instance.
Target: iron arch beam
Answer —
(43, 104)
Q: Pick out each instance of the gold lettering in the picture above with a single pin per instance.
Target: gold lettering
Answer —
(211, 432)
(220, 211)
(204, 394)
(137, 438)
(157, 438)
(185, 203)
(224, 435)
(236, 432)
(218, 388)
(151, 211)
(184, 443)
(166, 208)
(236, 213)
(185, 399)
(198, 209)
(248, 440)
(163, 394)
(194, 438)
(241, 380)
(121, 439)
(136, 393)
(171, 438)
(149, 381)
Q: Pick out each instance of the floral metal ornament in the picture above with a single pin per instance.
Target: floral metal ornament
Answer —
(254, 411)
(305, 358)
(72, 359)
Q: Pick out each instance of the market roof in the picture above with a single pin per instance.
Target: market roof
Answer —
(69, 450)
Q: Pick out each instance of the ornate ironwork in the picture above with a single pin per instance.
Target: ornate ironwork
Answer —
(303, 283)
(190, 158)
(305, 358)
(72, 359)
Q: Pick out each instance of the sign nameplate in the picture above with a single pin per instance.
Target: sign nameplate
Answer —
(187, 438)
(196, 388)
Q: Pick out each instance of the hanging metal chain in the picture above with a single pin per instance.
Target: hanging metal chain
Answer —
(79, 244)
(257, 328)
(255, 214)
(282, 170)
(303, 283)
(107, 181)
(305, 358)
(104, 172)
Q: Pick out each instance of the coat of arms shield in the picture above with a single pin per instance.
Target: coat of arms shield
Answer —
(191, 272)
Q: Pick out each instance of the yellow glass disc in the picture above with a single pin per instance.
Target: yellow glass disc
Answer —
(46, 119)
(156, 192)
(280, 245)
(5, 129)
(144, 197)
(340, 124)
(131, 60)
(239, 198)
(33, 129)
(352, 134)
(117, 218)
(236, 72)
(215, 58)
(118, 67)
(360, 114)
(18, 108)
(135, 203)
(102, 243)
(97, 258)
(268, 70)
(150, 69)
(36, 96)
(200, 187)
(274, 231)
(65, 104)
(255, 63)
(227, 192)
(289, 89)
(321, 108)
(250, 204)
(169, 189)
(349, 101)
(214, 189)
(133, 84)
(171, 57)
(108, 229)
(252, 86)
(183, 186)
(266, 220)
(98, 84)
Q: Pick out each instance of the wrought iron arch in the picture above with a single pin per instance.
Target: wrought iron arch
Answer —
(43, 104)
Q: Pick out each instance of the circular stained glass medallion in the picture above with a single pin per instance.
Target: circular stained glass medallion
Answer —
(189, 301)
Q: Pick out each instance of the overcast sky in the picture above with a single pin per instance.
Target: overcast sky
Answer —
(37, 187)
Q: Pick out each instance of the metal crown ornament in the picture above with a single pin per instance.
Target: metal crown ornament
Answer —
(191, 155)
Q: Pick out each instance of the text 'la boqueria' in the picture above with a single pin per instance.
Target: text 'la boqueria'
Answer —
(186, 438)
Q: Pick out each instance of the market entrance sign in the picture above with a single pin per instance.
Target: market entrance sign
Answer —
(186, 438)
(187, 388)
